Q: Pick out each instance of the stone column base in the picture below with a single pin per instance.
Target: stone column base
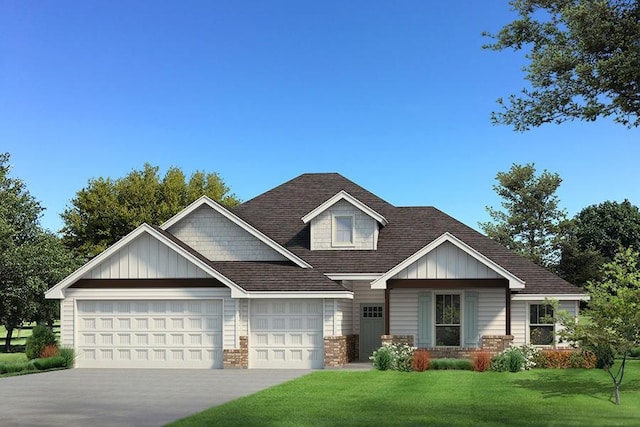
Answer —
(237, 358)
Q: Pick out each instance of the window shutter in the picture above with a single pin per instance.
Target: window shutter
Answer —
(471, 319)
(425, 327)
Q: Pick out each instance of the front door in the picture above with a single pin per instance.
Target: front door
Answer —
(371, 329)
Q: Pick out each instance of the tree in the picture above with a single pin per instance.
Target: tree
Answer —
(584, 61)
(107, 210)
(31, 259)
(531, 223)
(598, 233)
(612, 319)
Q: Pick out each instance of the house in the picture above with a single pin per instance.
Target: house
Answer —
(313, 273)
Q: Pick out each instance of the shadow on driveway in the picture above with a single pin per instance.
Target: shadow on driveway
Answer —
(132, 397)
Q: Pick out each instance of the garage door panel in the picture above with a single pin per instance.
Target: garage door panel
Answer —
(150, 334)
(286, 334)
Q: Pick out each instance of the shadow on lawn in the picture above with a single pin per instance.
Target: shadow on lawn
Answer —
(550, 384)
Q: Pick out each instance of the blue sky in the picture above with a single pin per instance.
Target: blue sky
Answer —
(394, 95)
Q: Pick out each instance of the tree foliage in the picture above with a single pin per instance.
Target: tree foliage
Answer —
(597, 234)
(583, 61)
(108, 209)
(531, 223)
(612, 319)
(31, 259)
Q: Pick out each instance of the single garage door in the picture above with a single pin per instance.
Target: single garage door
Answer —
(286, 334)
(149, 334)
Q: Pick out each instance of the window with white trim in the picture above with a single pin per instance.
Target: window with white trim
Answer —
(448, 325)
(343, 230)
(541, 324)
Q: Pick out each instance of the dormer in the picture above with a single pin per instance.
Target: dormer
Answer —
(344, 223)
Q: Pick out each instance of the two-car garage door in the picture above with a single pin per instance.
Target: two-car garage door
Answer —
(149, 334)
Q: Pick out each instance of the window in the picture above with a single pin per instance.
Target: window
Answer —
(448, 320)
(342, 230)
(541, 324)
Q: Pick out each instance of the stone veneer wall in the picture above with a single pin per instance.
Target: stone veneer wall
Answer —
(397, 339)
(335, 351)
(237, 357)
(494, 344)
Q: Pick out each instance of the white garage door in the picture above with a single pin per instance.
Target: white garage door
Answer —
(286, 334)
(149, 334)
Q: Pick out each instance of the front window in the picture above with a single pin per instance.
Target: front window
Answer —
(448, 320)
(343, 230)
(541, 324)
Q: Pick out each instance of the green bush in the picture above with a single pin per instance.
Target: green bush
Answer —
(41, 336)
(69, 356)
(514, 359)
(382, 358)
(605, 355)
(13, 367)
(451, 364)
(635, 352)
(49, 363)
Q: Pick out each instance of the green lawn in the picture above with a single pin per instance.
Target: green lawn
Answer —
(571, 397)
(12, 357)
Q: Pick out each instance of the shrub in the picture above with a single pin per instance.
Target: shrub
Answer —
(382, 358)
(394, 356)
(451, 364)
(49, 363)
(605, 355)
(49, 350)
(421, 360)
(515, 359)
(481, 361)
(68, 354)
(635, 352)
(558, 359)
(13, 367)
(540, 359)
(588, 359)
(41, 336)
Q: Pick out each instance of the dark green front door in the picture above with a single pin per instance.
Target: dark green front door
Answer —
(371, 329)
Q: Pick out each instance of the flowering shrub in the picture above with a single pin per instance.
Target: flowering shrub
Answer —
(400, 355)
(515, 359)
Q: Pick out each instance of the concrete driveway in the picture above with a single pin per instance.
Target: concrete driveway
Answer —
(125, 397)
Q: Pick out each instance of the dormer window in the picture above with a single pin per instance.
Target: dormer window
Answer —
(343, 230)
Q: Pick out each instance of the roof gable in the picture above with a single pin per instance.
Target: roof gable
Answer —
(514, 281)
(343, 195)
(254, 232)
(57, 292)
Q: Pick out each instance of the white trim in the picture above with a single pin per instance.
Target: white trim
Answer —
(334, 232)
(353, 276)
(343, 195)
(204, 200)
(528, 327)
(57, 291)
(559, 297)
(514, 281)
(299, 295)
(436, 292)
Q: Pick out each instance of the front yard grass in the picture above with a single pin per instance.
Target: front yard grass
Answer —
(12, 357)
(542, 397)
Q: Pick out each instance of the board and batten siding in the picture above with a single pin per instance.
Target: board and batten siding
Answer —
(365, 228)
(362, 293)
(520, 319)
(145, 258)
(219, 239)
(447, 261)
(404, 311)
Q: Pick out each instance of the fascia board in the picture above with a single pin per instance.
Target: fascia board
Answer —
(296, 294)
(343, 195)
(514, 281)
(559, 297)
(204, 200)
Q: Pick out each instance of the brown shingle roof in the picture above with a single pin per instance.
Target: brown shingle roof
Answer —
(278, 214)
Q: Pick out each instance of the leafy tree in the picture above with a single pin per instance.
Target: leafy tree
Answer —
(531, 223)
(107, 209)
(598, 233)
(31, 259)
(583, 61)
(612, 319)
